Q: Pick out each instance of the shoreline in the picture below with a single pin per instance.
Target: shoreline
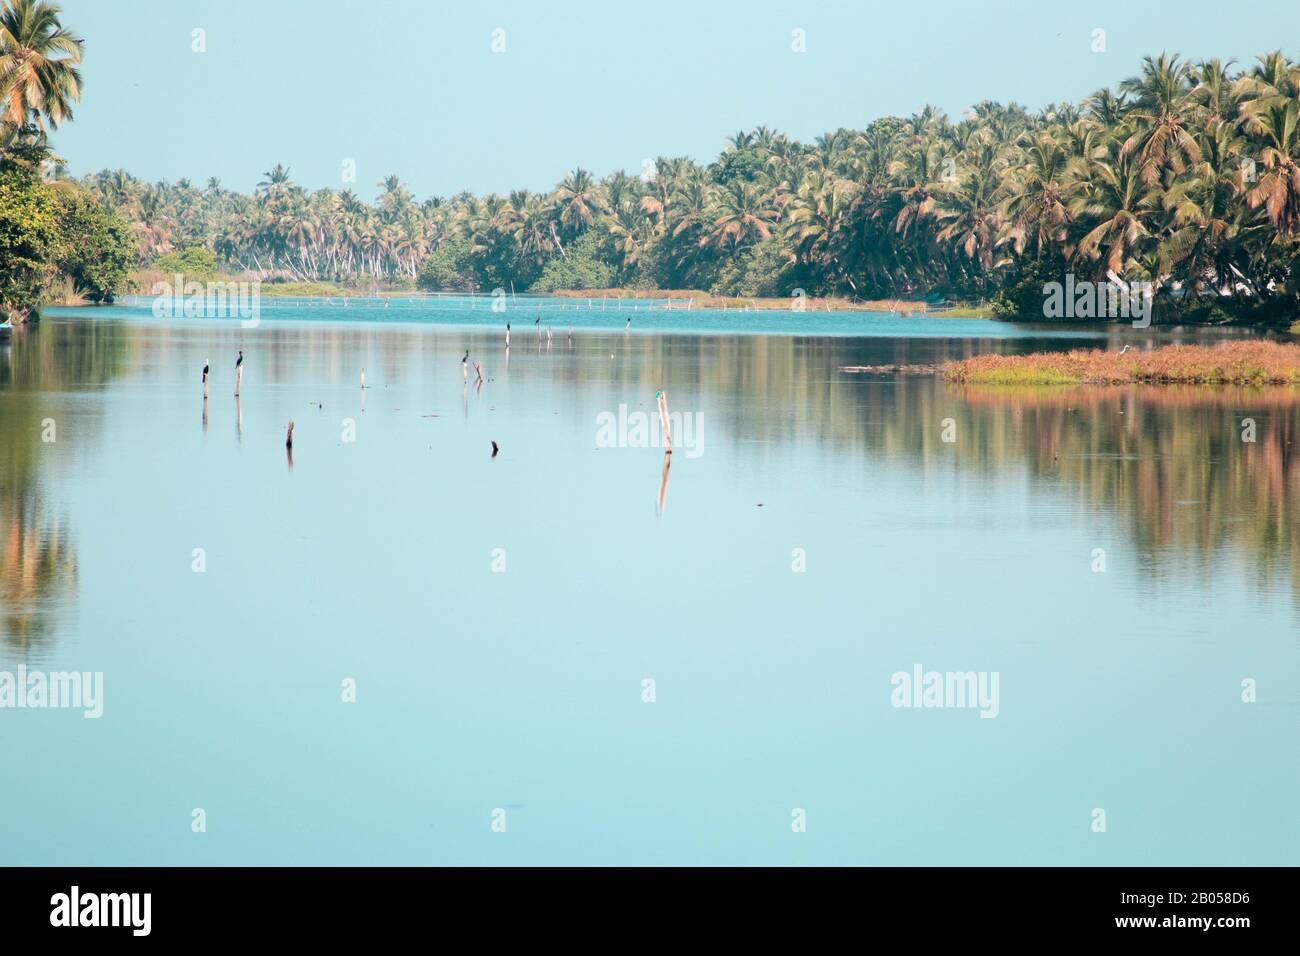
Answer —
(463, 310)
(684, 299)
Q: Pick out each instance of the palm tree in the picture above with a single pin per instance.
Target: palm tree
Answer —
(1214, 92)
(1161, 111)
(1206, 213)
(972, 213)
(816, 223)
(1115, 206)
(1271, 82)
(1108, 109)
(1038, 193)
(39, 79)
(742, 214)
(1278, 189)
(578, 201)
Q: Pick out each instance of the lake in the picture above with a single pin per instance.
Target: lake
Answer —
(393, 647)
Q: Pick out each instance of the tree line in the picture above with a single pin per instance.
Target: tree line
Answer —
(57, 238)
(1184, 175)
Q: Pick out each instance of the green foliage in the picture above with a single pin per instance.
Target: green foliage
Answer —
(579, 268)
(196, 263)
(757, 272)
(1022, 298)
(742, 164)
(29, 239)
(449, 269)
(95, 246)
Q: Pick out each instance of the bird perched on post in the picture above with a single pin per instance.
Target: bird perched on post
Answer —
(239, 361)
(464, 366)
(206, 366)
(495, 449)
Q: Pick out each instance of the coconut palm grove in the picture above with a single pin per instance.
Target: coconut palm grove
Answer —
(1184, 174)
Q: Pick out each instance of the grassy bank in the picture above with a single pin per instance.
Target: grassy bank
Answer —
(695, 299)
(141, 282)
(1235, 363)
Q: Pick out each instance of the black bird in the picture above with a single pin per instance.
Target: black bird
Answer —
(205, 370)
(240, 361)
(495, 449)
(465, 360)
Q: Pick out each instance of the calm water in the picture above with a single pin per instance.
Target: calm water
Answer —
(522, 690)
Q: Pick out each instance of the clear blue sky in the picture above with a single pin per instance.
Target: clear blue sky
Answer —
(414, 88)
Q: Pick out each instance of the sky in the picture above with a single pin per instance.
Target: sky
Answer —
(416, 89)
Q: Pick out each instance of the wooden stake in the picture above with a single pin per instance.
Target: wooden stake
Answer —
(663, 481)
(239, 377)
(662, 399)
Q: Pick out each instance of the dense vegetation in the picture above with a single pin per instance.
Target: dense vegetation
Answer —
(55, 236)
(1186, 175)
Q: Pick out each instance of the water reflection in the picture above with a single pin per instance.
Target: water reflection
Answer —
(663, 482)
(1195, 470)
(1172, 466)
(43, 367)
(1190, 471)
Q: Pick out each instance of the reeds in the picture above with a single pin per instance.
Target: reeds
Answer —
(1257, 362)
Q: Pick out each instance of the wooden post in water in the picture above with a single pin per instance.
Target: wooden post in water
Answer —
(662, 400)
(239, 378)
(363, 378)
(663, 481)
(478, 370)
